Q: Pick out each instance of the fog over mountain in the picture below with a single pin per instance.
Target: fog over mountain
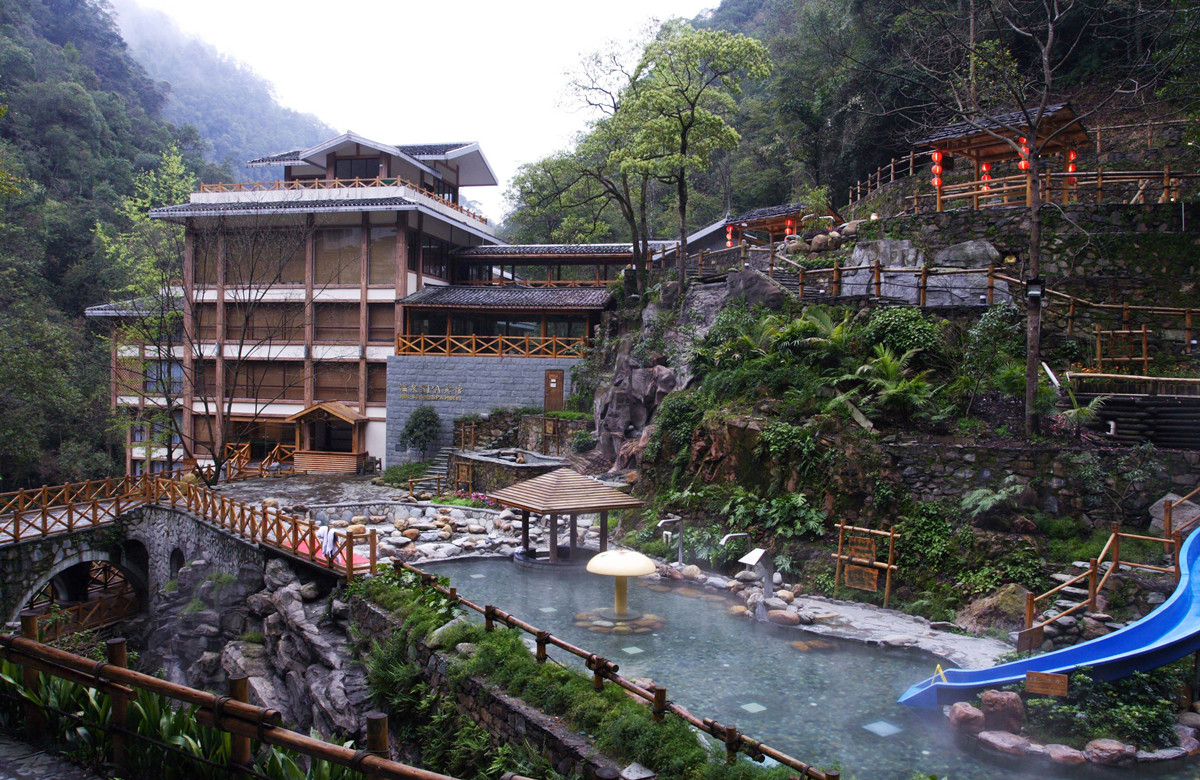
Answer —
(233, 107)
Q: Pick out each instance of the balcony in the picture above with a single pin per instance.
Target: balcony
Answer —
(408, 189)
(492, 346)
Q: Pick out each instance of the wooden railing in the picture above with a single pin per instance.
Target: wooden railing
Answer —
(464, 436)
(232, 714)
(1169, 522)
(1134, 385)
(543, 283)
(337, 184)
(492, 346)
(1031, 637)
(1099, 186)
(103, 610)
(604, 670)
(81, 506)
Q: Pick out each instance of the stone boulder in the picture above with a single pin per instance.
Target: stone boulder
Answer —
(1069, 756)
(966, 718)
(1109, 752)
(1004, 742)
(968, 254)
(691, 572)
(1185, 512)
(783, 617)
(1002, 711)
(1003, 609)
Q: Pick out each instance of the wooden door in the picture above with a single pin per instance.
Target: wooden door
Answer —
(554, 390)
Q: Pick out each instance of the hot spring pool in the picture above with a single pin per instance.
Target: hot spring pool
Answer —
(833, 705)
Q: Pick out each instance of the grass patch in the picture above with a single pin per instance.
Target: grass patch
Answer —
(569, 415)
(194, 606)
(398, 476)
(253, 637)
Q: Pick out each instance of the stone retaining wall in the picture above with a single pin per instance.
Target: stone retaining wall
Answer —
(506, 719)
(455, 386)
(488, 474)
(532, 435)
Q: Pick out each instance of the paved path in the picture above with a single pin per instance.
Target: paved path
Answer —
(20, 761)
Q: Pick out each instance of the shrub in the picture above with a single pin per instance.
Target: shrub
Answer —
(253, 637)
(422, 429)
(902, 329)
(570, 415)
(583, 441)
(398, 476)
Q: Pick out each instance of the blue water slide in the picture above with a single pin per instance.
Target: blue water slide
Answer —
(1166, 634)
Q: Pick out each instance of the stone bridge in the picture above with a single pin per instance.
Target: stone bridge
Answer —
(148, 545)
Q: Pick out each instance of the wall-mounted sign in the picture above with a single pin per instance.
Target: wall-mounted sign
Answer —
(421, 392)
(862, 577)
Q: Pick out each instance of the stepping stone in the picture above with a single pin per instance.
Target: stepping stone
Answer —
(754, 708)
(882, 728)
(1077, 592)
(632, 650)
(478, 576)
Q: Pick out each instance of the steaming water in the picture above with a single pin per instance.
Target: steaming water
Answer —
(828, 707)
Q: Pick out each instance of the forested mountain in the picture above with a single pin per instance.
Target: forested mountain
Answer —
(82, 119)
(233, 107)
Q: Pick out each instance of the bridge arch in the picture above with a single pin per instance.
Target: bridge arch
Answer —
(129, 560)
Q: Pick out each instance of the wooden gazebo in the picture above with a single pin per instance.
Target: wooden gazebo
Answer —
(329, 439)
(977, 143)
(775, 222)
(563, 492)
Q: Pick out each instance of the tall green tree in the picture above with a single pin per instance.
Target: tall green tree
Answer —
(681, 98)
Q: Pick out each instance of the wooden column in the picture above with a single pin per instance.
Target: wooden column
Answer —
(603, 530)
(35, 724)
(525, 529)
(571, 546)
(117, 656)
(553, 538)
(377, 739)
(310, 275)
(239, 690)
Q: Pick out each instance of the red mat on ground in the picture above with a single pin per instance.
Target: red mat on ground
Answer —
(302, 551)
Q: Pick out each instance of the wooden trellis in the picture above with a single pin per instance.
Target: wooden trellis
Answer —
(857, 556)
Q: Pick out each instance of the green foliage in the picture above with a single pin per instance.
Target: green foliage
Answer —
(421, 429)
(583, 441)
(570, 415)
(1139, 709)
(983, 500)
(403, 593)
(928, 541)
(253, 637)
(904, 329)
(783, 518)
(399, 475)
(889, 384)
(194, 606)
(676, 420)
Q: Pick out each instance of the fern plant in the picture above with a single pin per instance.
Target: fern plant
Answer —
(980, 501)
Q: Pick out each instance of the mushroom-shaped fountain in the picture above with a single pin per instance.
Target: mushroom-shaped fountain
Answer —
(621, 564)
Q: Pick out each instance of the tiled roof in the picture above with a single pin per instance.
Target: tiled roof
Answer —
(430, 150)
(521, 250)
(277, 159)
(768, 212)
(256, 207)
(454, 297)
(994, 122)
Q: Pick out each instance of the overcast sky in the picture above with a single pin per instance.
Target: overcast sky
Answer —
(413, 72)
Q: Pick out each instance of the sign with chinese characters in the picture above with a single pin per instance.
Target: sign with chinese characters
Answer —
(862, 577)
(861, 547)
(1045, 684)
(1030, 639)
(415, 391)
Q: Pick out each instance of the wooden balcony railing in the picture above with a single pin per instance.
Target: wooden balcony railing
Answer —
(336, 184)
(1099, 186)
(542, 283)
(492, 346)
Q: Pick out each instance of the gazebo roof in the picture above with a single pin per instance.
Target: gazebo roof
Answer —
(333, 408)
(562, 492)
(973, 139)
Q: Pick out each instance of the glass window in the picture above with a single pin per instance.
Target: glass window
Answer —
(376, 383)
(357, 168)
(435, 257)
(381, 256)
(336, 322)
(335, 381)
(163, 377)
(381, 322)
(338, 255)
(427, 323)
(566, 327)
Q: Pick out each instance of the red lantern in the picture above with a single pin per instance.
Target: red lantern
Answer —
(728, 243)
(1022, 140)
(937, 170)
(985, 167)
(937, 156)
(1071, 155)
(1071, 180)
(937, 183)
(788, 223)
(1070, 167)
(1023, 165)
(986, 177)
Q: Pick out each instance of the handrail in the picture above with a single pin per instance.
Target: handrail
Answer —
(231, 714)
(337, 184)
(491, 346)
(603, 669)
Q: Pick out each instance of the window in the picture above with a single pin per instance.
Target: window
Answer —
(376, 383)
(426, 323)
(566, 327)
(335, 381)
(356, 168)
(163, 377)
(413, 265)
(265, 257)
(205, 315)
(447, 191)
(205, 258)
(265, 380)
(336, 322)
(381, 322)
(338, 256)
(264, 323)
(381, 256)
(435, 257)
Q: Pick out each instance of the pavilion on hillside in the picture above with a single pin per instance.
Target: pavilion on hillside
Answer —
(563, 492)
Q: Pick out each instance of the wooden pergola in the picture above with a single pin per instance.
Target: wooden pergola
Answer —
(978, 143)
(320, 445)
(563, 492)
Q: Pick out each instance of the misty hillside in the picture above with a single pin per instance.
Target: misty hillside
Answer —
(233, 107)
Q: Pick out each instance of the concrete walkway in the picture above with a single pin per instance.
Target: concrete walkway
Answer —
(20, 761)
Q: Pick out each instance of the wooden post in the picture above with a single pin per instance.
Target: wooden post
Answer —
(489, 617)
(878, 280)
(911, 158)
(525, 529)
(938, 196)
(837, 279)
(574, 531)
(837, 572)
(924, 284)
(1166, 196)
(1029, 609)
(377, 739)
(660, 703)
(1099, 184)
(542, 638)
(374, 550)
(117, 656)
(1145, 353)
(1116, 547)
(239, 690)
(1099, 356)
(1168, 522)
(603, 530)
(349, 556)
(553, 538)
(1093, 567)
(1178, 544)
(800, 283)
(35, 723)
(991, 290)
(1071, 318)
(887, 587)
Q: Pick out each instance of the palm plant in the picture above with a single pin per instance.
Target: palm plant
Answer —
(1079, 416)
(890, 384)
